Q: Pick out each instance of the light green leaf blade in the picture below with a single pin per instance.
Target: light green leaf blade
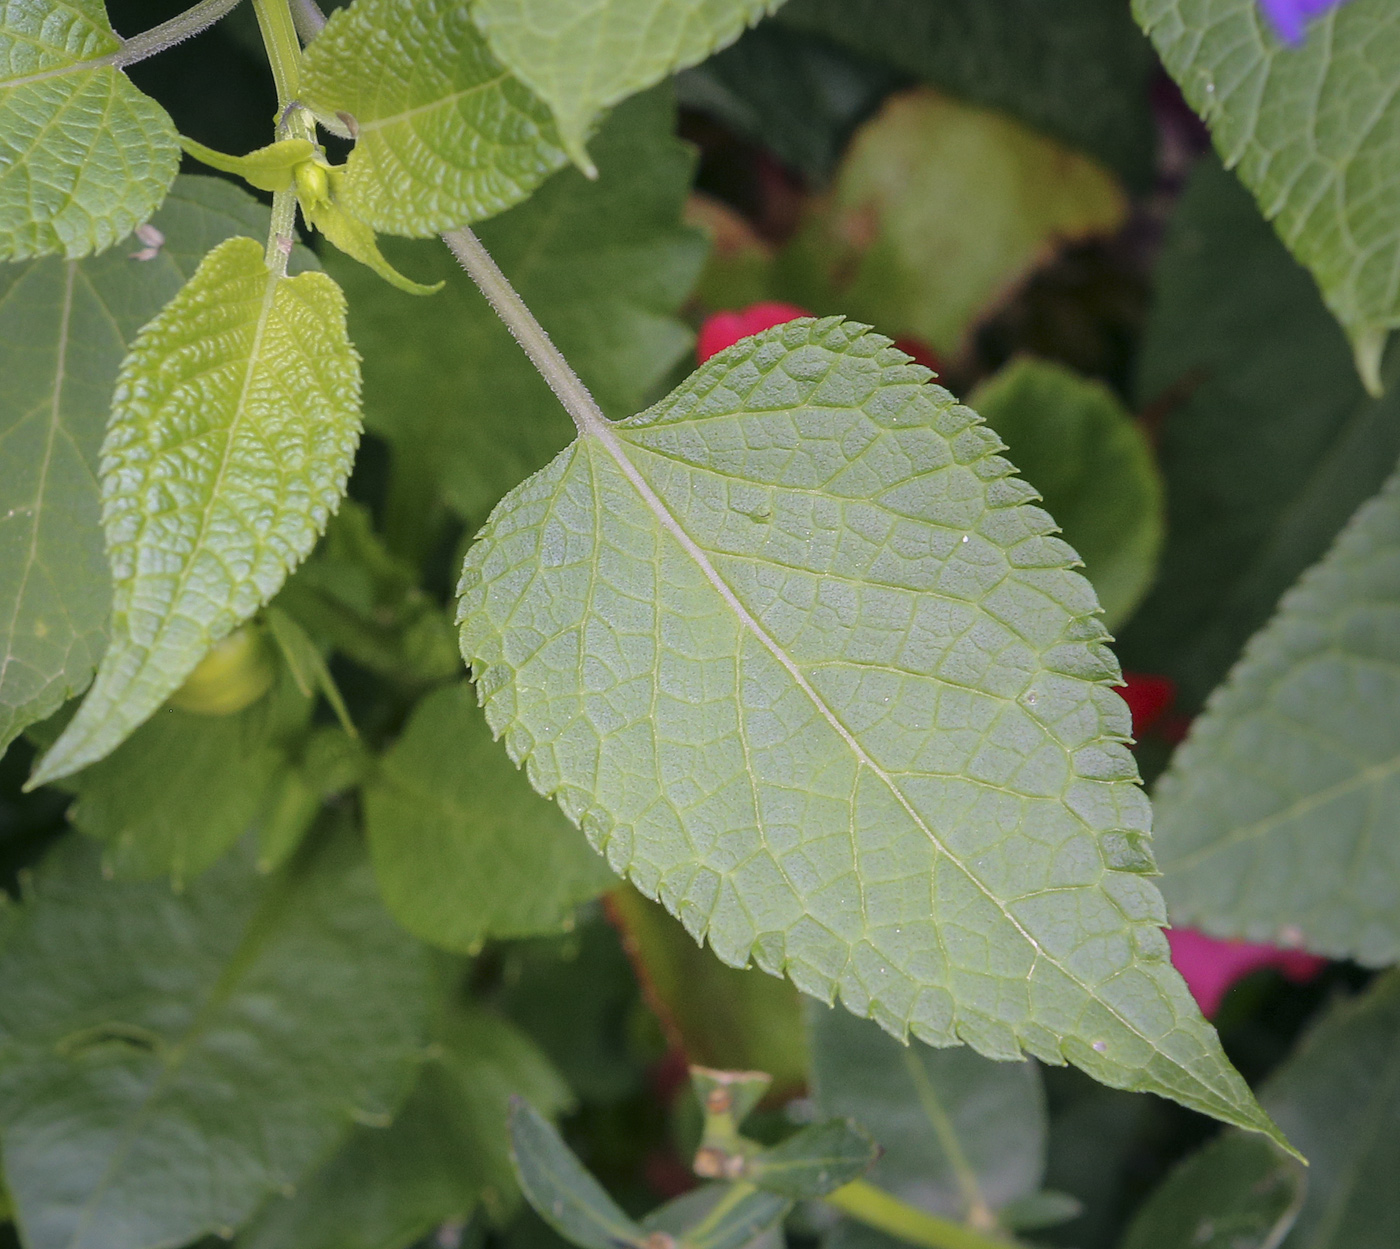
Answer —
(183, 788)
(604, 265)
(463, 847)
(1278, 818)
(444, 136)
(64, 328)
(795, 652)
(1081, 449)
(1078, 70)
(1314, 132)
(1239, 1192)
(1338, 1098)
(234, 425)
(84, 156)
(939, 210)
(582, 56)
(1268, 443)
(563, 1194)
(446, 1150)
(232, 1031)
(961, 1136)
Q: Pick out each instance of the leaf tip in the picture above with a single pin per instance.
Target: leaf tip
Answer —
(1369, 349)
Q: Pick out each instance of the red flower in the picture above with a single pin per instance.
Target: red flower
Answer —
(1147, 698)
(724, 329)
(1210, 966)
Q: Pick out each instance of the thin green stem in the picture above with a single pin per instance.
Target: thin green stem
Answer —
(528, 332)
(283, 51)
(876, 1208)
(309, 19)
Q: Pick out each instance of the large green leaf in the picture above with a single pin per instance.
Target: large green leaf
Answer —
(182, 788)
(234, 424)
(939, 209)
(1077, 69)
(64, 328)
(446, 1150)
(444, 136)
(1314, 132)
(605, 265)
(1091, 462)
(1338, 1098)
(795, 651)
(1268, 442)
(1238, 1192)
(960, 1136)
(168, 1061)
(84, 156)
(463, 847)
(581, 56)
(1280, 817)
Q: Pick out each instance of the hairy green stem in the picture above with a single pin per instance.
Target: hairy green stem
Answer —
(168, 34)
(529, 333)
(283, 50)
(876, 1208)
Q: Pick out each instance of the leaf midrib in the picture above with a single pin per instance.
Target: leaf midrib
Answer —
(592, 424)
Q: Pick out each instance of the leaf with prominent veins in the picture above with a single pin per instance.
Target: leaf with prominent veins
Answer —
(234, 424)
(444, 135)
(582, 56)
(64, 328)
(797, 653)
(84, 156)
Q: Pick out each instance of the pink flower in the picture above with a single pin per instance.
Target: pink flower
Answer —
(1210, 967)
(1290, 18)
(724, 329)
(1147, 698)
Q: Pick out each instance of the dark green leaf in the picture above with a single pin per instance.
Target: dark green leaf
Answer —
(150, 1042)
(737, 1215)
(1044, 1209)
(563, 1194)
(1239, 1192)
(961, 1135)
(1268, 442)
(1077, 69)
(64, 328)
(1079, 447)
(813, 1162)
(463, 847)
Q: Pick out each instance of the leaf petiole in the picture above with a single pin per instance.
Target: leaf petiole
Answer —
(876, 1208)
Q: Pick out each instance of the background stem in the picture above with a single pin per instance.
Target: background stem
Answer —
(876, 1208)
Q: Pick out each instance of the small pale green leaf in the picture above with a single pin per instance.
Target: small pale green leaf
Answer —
(719, 1017)
(605, 265)
(1338, 1098)
(1267, 441)
(1279, 818)
(306, 664)
(234, 424)
(1239, 1192)
(796, 652)
(1080, 448)
(815, 1161)
(938, 210)
(582, 56)
(463, 847)
(235, 1030)
(1078, 70)
(84, 156)
(444, 136)
(960, 1136)
(1313, 131)
(563, 1194)
(64, 328)
(269, 168)
(446, 1150)
(183, 788)
(357, 241)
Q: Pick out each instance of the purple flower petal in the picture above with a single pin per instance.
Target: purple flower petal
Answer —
(1290, 18)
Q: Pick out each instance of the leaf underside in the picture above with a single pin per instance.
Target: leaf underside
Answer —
(581, 58)
(64, 329)
(84, 156)
(444, 135)
(1278, 819)
(1313, 131)
(795, 651)
(235, 422)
